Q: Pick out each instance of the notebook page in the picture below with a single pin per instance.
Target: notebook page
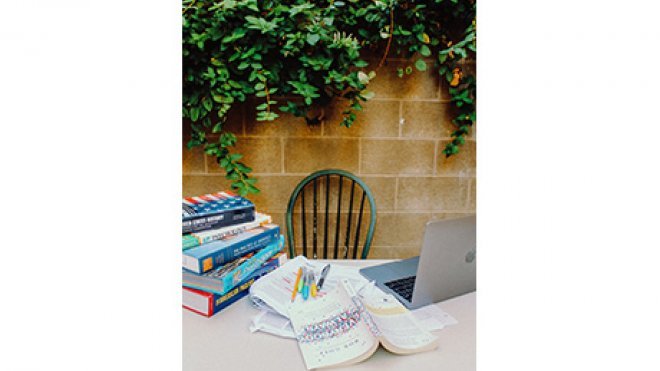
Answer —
(330, 330)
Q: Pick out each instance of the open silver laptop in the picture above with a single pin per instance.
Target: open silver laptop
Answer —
(445, 268)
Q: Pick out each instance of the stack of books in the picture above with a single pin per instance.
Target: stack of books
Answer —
(227, 246)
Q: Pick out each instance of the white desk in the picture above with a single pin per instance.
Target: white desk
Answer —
(224, 342)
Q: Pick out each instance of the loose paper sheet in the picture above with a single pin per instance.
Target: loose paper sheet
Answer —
(272, 323)
(433, 318)
(274, 289)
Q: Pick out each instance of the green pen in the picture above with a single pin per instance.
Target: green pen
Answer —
(306, 286)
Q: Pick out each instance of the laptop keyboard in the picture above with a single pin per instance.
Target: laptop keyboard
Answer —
(403, 286)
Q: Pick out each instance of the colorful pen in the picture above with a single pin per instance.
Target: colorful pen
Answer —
(324, 274)
(306, 286)
(313, 280)
(295, 285)
(302, 280)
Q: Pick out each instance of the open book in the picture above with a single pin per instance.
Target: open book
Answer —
(340, 329)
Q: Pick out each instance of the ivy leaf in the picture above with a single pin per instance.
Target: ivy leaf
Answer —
(423, 37)
(236, 34)
(260, 24)
(420, 65)
(194, 113)
(208, 104)
(366, 94)
(425, 51)
(363, 78)
(312, 39)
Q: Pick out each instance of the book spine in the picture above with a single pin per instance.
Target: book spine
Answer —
(217, 257)
(236, 275)
(221, 219)
(200, 238)
(242, 289)
(190, 241)
(208, 297)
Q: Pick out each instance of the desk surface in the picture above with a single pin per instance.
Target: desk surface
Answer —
(224, 342)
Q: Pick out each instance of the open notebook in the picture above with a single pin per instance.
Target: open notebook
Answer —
(340, 328)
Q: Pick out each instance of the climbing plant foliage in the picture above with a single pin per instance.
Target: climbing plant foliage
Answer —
(299, 56)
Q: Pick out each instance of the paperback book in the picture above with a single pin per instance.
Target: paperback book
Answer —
(341, 329)
(215, 210)
(199, 238)
(209, 256)
(224, 278)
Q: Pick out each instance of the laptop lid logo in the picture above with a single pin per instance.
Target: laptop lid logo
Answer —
(469, 257)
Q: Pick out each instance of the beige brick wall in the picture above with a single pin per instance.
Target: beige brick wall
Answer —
(395, 146)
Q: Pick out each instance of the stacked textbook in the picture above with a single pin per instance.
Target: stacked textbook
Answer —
(227, 246)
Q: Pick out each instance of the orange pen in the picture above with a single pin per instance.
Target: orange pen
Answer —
(295, 285)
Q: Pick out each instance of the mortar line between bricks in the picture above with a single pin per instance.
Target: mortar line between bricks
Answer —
(206, 164)
(282, 155)
(252, 136)
(368, 175)
(401, 119)
(360, 156)
(430, 100)
(435, 158)
(396, 193)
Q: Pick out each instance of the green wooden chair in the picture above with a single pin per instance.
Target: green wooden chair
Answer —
(346, 232)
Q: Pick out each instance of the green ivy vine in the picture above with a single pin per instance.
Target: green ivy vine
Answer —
(298, 56)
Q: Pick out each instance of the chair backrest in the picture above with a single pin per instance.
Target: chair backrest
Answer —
(331, 190)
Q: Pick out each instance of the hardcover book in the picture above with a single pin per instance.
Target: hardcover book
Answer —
(208, 304)
(215, 210)
(209, 256)
(223, 279)
(199, 238)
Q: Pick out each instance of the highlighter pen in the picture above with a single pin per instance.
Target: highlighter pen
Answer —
(313, 281)
(306, 286)
(295, 285)
(302, 279)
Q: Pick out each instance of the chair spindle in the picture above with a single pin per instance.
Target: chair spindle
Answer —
(348, 227)
(341, 182)
(304, 225)
(327, 207)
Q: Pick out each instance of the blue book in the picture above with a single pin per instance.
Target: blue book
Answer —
(209, 256)
(208, 304)
(221, 280)
(215, 210)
